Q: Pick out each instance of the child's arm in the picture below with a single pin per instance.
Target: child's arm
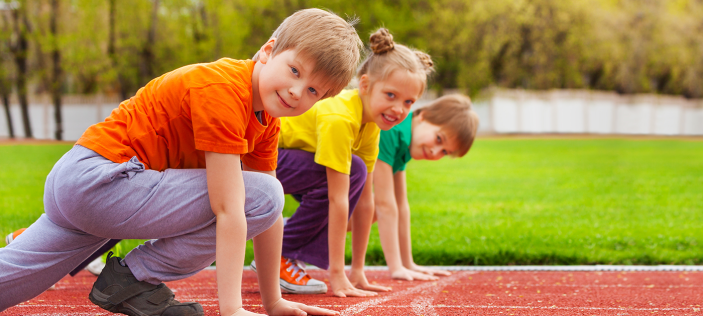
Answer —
(361, 221)
(226, 191)
(267, 251)
(338, 194)
(406, 252)
(388, 223)
(271, 173)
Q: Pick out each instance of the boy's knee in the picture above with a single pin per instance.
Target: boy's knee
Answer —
(276, 197)
(265, 200)
(358, 170)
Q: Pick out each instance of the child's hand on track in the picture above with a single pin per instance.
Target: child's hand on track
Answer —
(284, 307)
(243, 312)
(410, 275)
(358, 279)
(341, 287)
(429, 271)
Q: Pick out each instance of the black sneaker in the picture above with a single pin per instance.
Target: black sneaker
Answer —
(118, 291)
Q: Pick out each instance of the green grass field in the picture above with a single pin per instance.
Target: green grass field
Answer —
(510, 201)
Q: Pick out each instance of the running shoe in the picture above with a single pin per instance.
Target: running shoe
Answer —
(294, 280)
(96, 266)
(117, 290)
(12, 236)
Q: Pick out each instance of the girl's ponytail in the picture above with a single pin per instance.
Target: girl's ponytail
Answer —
(386, 56)
(426, 61)
(381, 42)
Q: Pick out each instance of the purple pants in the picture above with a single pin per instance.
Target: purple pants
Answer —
(305, 233)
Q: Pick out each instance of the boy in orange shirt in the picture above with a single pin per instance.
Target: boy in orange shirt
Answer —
(165, 166)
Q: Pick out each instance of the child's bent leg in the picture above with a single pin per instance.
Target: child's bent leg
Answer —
(305, 233)
(43, 255)
(127, 201)
(174, 258)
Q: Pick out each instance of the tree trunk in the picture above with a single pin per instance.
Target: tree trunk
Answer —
(147, 69)
(56, 71)
(5, 81)
(112, 52)
(5, 94)
(200, 29)
(20, 51)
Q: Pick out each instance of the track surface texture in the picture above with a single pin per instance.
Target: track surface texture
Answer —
(462, 293)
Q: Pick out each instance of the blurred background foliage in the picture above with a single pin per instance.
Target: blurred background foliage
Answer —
(117, 46)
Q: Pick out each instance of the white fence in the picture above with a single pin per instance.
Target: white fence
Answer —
(577, 111)
(500, 111)
(79, 112)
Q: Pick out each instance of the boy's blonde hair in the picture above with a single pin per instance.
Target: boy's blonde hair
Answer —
(387, 56)
(453, 114)
(325, 38)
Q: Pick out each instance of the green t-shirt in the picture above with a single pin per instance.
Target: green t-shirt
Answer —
(394, 148)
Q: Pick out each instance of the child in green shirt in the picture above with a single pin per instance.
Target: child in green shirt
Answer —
(445, 127)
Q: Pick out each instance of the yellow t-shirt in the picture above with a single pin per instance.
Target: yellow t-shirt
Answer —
(332, 130)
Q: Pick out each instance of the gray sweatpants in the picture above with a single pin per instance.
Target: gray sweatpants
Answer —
(89, 199)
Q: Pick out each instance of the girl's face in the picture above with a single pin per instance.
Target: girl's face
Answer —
(429, 142)
(388, 102)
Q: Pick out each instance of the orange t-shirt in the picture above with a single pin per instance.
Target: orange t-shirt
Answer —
(171, 121)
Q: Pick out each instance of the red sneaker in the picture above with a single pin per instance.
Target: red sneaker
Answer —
(294, 280)
(9, 238)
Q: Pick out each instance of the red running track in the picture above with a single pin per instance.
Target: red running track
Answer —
(463, 293)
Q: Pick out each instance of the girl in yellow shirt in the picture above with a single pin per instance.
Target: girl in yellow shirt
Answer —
(326, 156)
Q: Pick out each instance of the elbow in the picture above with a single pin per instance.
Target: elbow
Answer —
(339, 205)
(365, 203)
(218, 209)
(385, 209)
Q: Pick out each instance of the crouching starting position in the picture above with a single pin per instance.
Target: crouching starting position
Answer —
(173, 164)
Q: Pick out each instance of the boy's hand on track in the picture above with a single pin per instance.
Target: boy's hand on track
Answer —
(341, 287)
(429, 271)
(358, 279)
(243, 312)
(410, 275)
(284, 307)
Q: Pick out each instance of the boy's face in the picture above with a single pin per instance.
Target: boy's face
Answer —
(388, 102)
(287, 86)
(430, 142)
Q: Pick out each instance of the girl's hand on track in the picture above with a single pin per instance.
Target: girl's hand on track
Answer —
(410, 275)
(284, 307)
(243, 312)
(358, 279)
(429, 271)
(341, 287)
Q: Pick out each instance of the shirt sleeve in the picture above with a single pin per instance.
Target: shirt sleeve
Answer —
(368, 150)
(388, 146)
(219, 116)
(401, 167)
(335, 135)
(265, 154)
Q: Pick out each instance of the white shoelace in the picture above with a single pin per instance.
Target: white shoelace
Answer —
(296, 267)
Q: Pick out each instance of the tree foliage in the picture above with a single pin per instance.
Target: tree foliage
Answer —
(630, 46)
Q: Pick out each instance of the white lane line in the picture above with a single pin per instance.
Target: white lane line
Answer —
(648, 286)
(693, 309)
(598, 267)
(377, 301)
(423, 306)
